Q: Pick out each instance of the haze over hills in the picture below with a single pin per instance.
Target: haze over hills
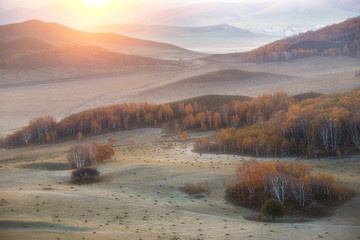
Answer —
(69, 97)
(337, 39)
(210, 39)
(271, 17)
(166, 31)
(57, 34)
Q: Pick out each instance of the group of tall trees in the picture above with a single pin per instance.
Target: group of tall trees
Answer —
(324, 125)
(276, 125)
(89, 153)
(83, 156)
(333, 40)
(257, 182)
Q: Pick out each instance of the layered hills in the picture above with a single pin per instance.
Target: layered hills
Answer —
(58, 34)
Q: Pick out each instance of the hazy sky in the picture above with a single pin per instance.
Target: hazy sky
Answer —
(6, 4)
(260, 13)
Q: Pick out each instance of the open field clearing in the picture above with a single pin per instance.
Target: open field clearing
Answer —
(137, 195)
(25, 94)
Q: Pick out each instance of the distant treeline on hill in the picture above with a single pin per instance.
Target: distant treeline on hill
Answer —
(334, 40)
(267, 125)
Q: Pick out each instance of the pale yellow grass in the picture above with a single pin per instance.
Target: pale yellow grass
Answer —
(138, 196)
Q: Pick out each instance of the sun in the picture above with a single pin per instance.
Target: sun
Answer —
(95, 2)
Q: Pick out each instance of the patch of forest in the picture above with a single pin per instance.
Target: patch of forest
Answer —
(269, 125)
(333, 40)
(290, 184)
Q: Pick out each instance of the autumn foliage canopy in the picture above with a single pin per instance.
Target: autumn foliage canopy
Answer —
(257, 182)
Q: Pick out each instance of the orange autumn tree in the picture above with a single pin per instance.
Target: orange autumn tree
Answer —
(104, 152)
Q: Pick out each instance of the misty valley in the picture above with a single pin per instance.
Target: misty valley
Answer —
(194, 121)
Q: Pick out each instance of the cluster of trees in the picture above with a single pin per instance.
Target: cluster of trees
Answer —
(257, 182)
(123, 116)
(324, 125)
(89, 153)
(92, 121)
(333, 40)
(276, 125)
(82, 156)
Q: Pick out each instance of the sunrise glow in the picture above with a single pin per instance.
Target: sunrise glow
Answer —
(95, 2)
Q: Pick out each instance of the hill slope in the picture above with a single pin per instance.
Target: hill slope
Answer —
(337, 39)
(60, 35)
(21, 45)
(77, 56)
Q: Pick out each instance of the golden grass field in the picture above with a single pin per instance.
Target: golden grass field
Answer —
(137, 195)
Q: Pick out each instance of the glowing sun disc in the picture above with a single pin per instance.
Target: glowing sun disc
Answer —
(95, 2)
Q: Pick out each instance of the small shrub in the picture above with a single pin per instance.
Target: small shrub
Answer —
(133, 141)
(192, 189)
(84, 174)
(315, 209)
(272, 208)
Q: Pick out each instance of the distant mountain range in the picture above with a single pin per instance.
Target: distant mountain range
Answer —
(209, 39)
(337, 39)
(35, 43)
(58, 34)
(166, 31)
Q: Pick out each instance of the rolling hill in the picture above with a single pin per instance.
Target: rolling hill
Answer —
(57, 34)
(21, 46)
(78, 56)
(337, 39)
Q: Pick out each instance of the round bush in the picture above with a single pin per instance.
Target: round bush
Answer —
(272, 208)
(84, 174)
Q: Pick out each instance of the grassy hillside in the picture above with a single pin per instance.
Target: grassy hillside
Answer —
(212, 101)
(79, 56)
(307, 95)
(22, 45)
(337, 39)
(225, 75)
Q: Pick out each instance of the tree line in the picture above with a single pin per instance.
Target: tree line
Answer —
(257, 182)
(123, 116)
(274, 125)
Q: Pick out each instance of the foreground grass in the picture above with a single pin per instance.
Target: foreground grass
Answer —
(139, 196)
